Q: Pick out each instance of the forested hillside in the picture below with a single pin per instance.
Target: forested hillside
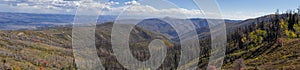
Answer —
(51, 48)
(267, 42)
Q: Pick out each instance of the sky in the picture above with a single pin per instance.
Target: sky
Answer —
(230, 9)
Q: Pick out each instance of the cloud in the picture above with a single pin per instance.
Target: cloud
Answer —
(38, 6)
(113, 3)
(51, 6)
(133, 8)
(133, 2)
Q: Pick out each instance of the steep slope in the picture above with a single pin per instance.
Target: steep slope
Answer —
(269, 42)
(51, 48)
(35, 50)
(138, 43)
(266, 42)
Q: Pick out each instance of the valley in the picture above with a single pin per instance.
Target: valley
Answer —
(267, 42)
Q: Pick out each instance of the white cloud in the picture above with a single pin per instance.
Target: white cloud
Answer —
(113, 3)
(39, 6)
(133, 8)
(133, 2)
(51, 6)
(22, 4)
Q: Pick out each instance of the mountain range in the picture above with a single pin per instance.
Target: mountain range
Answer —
(19, 21)
(267, 42)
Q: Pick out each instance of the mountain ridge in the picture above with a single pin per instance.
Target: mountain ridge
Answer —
(20, 21)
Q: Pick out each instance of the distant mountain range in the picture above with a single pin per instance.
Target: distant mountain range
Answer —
(18, 21)
(160, 26)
